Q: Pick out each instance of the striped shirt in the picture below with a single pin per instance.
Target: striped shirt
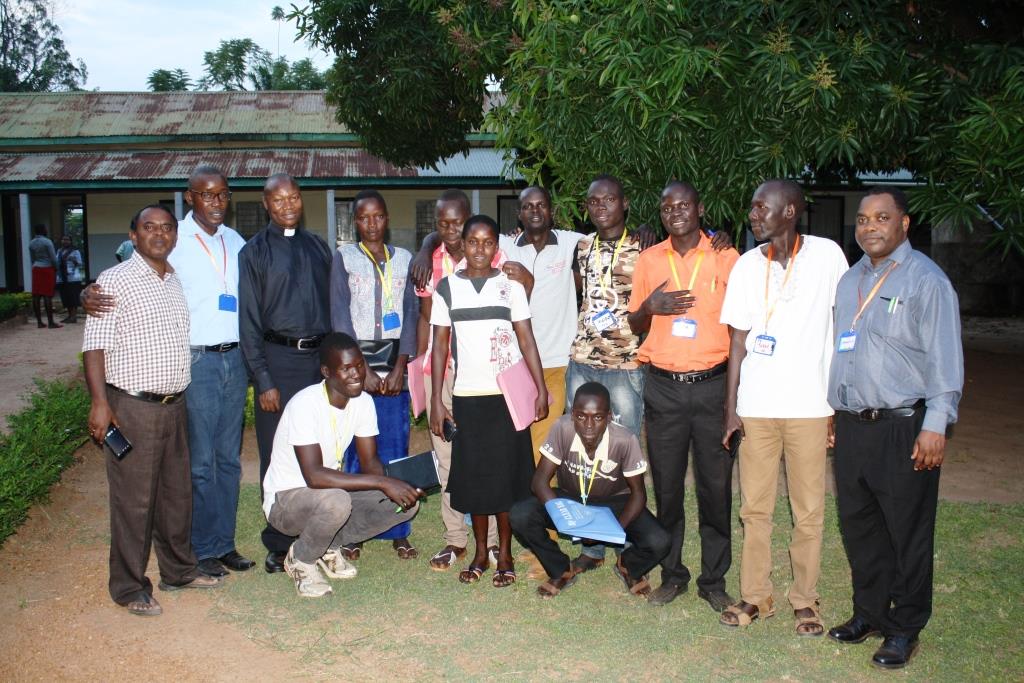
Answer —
(145, 339)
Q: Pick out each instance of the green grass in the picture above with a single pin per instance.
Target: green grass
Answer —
(401, 619)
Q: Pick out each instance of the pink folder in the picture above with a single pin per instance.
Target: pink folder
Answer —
(520, 394)
(417, 392)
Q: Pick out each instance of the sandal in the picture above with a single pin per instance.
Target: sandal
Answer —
(585, 563)
(472, 573)
(503, 578)
(145, 606)
(548, 589)
(638, 587)
(405, 550)
(744, 614)
(809, 626)
(351, 551)
(444, 558)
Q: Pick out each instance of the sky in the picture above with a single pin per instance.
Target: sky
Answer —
(122, 42)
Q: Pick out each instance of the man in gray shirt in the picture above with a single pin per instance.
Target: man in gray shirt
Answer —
(44, 275)
(896, 378)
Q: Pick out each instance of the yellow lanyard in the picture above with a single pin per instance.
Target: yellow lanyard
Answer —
(593, 472)
(693, 275)
(223, 273)
(339, 454)
(601, 273)
(767, 278)
(871, 295)
(446, 263)
(385, 280)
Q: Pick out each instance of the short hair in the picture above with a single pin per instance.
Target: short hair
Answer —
(455, 196)
(39, 229)
(791, 193)
(363, 195)
(134, 225)
(611, 179)
(335, 341)
(275, 178)
(594, 390)
(681, 184)
(480, 219)
(898, 196)
(538, 188)
(205, 171)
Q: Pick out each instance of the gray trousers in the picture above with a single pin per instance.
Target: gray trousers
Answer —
(331, 518)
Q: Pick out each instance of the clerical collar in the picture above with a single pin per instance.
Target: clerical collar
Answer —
(287, 232)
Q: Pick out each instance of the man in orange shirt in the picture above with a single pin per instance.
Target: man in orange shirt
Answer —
(678, 289)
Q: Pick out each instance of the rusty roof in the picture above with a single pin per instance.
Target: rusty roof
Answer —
(146, 114)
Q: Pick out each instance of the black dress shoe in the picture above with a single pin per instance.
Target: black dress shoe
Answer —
(895, 652)
(211, 566)
(236, 562)
(718, 599)
(854, 630)
(275, 561)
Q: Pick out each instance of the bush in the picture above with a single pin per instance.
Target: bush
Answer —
(41, 444)
(12, 304)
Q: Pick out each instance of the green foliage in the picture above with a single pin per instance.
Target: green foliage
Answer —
(33, 57)
(165, 80)
(41, 444)
(12, 304)
(231, 65)
(250, 408)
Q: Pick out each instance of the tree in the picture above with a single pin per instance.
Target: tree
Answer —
(277, 14)
(723, 94)
(32, 53)
(164, 80)
(232, 65)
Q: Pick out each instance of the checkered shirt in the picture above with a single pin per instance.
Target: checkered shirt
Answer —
(145, 338)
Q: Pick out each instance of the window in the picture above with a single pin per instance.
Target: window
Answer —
(508, 214)
(425, 215)
(250, 218)
(344, 221)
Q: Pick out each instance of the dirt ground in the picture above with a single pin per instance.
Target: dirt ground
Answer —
(59, 622)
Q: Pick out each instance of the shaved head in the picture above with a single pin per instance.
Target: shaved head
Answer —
(687, 188)
(276, 180)
(790, 192)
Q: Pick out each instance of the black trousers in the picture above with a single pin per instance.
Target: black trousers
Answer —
(887, 520)
(678, 415)
(530, 523)
(292, 370)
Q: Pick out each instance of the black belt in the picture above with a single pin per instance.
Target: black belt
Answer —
(294, 342)
(876, 414)
(689, 377)
(147, 396)
(217, 348)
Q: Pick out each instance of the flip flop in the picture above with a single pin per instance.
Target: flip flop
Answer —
(548, 590)
(444, 558)
(503, 578)
(406, 551)
(472, 573)
(145, 606)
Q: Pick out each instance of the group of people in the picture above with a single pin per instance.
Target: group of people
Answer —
(783, 350)
(55, 270)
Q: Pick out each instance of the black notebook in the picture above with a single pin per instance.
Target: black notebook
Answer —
(418, 470)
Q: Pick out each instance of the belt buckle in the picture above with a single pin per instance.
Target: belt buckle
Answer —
(167, 399)
(301, 343)
(221, 348)
(870, 415)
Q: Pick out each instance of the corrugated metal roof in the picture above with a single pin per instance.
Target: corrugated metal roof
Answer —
(104, 114)
(92, 167)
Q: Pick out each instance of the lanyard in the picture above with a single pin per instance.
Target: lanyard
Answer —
(785, 279)
(385, 280)
(223, 273)
(601, 273)
(871, 295)
(446, 263)
(693, 275)
(339, 454)
(593, 472)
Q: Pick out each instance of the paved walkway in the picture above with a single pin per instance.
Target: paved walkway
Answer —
(28, 353)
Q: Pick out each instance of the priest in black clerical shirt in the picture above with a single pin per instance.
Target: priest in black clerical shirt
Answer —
(284, 312)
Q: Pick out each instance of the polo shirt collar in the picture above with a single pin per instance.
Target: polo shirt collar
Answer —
(139, 264)
(191, 227)
(552, 239)
(703, 245)
(600, 453)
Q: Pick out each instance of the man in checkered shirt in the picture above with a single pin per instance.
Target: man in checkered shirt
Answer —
(137, 366)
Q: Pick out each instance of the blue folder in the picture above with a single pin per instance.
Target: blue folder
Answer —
(585, 521)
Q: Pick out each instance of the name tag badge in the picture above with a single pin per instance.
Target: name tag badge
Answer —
(684, 327)
(227, 302)
(390, 321)
(764, 345)
(847, 340)
(604, 320)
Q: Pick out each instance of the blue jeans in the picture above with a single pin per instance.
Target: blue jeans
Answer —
(626, 388)
(216, 402)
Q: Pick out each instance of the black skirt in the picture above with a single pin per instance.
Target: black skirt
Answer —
(492, 463)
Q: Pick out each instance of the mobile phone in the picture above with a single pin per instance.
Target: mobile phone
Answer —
(116, 442)
(448, 430)
(734, 443)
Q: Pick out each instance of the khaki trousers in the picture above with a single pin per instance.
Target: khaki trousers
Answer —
(765, 440)
(554, 380)
(456, 532)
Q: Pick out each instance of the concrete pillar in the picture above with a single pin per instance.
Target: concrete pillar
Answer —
(332, 221)
(26, 237)
(475, 201)
(179, 205)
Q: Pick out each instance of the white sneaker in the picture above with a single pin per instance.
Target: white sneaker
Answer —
(308, 580)
(336, 566)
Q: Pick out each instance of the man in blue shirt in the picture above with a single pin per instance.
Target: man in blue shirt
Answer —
(896, 378)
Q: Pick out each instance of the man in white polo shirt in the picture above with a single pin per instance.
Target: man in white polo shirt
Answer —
(779, 310)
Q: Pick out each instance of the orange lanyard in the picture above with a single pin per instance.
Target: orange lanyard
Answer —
(223, 273)
(785, 279)
(693, 275)
(871, 295)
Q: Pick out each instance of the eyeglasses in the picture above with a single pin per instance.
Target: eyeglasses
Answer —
(210, 196)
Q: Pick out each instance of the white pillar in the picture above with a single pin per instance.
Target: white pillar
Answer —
(475, 200)
(179, 205)
(332, 222)
(26, 237)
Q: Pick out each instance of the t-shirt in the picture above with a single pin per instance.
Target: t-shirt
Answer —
(604, 339)
(793, 380)
(484, 341)
(310, 419)
(618, 452)
(553, 300)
